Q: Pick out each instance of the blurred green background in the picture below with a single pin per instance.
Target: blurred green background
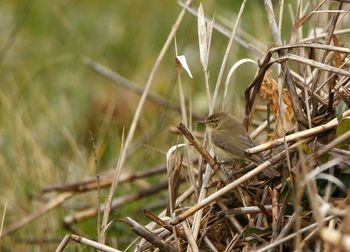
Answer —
(49, 100)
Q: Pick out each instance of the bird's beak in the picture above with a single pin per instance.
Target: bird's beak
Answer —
(204, 121)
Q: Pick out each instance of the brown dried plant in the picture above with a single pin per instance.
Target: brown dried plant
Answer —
(283, 112)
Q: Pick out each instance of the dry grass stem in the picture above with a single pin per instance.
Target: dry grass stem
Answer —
(2, 220)
(85, 241)
(313, 63)
(190, 238)
(224, 60)
(104, 181)
(151, 237)
(295, 136)
(108, 202)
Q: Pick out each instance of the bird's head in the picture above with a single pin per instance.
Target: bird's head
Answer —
(215, 120)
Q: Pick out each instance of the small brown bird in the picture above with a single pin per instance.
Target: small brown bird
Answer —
(230, 139)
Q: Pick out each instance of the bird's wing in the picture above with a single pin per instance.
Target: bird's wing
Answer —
(237, 145)
(233, 144)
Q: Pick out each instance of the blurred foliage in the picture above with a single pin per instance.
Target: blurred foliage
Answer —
(49, 100)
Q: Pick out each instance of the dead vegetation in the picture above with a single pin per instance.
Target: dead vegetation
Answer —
(305, 136)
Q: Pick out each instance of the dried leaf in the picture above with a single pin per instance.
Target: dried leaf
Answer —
(269, 91)
(181, 62)
(210, 26)
(202, 37)
(287, 100)
(178, 67)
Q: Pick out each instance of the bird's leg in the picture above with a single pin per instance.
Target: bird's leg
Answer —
(221, 163)
(222, 167)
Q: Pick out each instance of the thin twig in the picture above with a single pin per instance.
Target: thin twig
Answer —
(104, 180)
(150, 236)
(84, 241)
(313, 63)
(324, 34)
(204, 153)
(164, 224)
(190, 238)
(108, 202)
(63, 243)
(311, 45)
(179, 200)
(302, 134)
(3, 219)
(224, 60)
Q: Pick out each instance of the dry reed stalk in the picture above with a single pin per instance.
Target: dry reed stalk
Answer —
(324, 34)
(3, 219)
(225, 58)
(312, 63)
(104, 181)
(179, 200)
(173, 170)
(164, 224)
(204, 153)
(245, 210)
(151, 237)
(108, 203)
(85, 241)
(191, 240)
(296, 136)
